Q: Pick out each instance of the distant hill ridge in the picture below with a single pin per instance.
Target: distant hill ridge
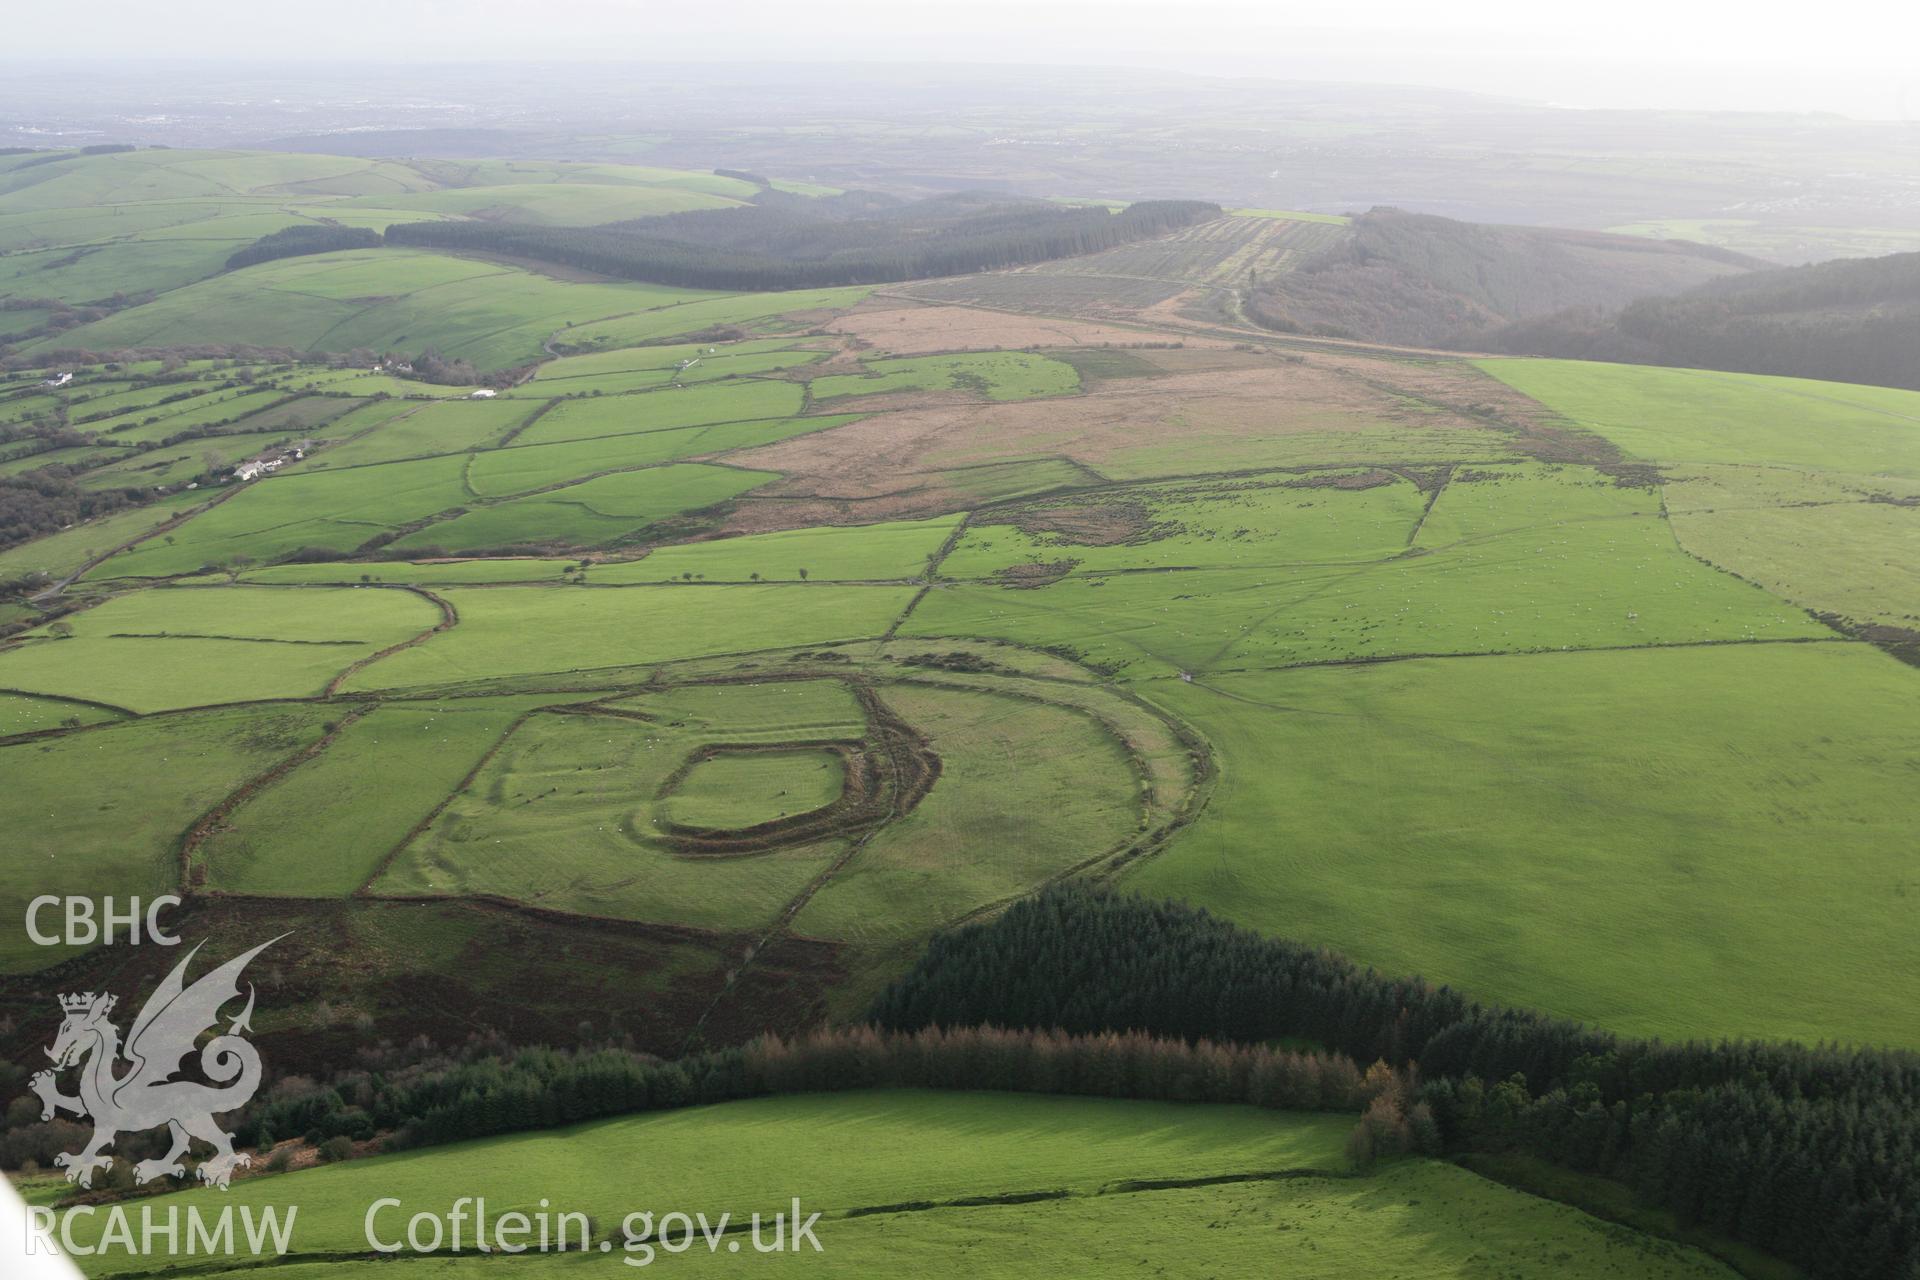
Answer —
(1425, 280)
(1850, 320)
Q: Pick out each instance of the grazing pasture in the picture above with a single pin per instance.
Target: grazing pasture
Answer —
(1518, 561)
(591, 513)
(101, 811)
(520, 467)
(528, 630)
(684, 686)
(24, 713)
(666, 362)
(663, 410)
(1273, 519)
(1829, 542)
(206, 411)
(322, 828)
(489, 313)
(185, 462)
(1027, 790)
(562, 815)
(759, 311)
(757, 710)
(80, 456)
(427, 430)
(996, 375)
(428, 573)
(155, 650)
(1601, 835)
(742, 789)
(1677, 416)
(893, 550)
(285, 514)
(64, 552)
(754, 1155)
(975, 1179)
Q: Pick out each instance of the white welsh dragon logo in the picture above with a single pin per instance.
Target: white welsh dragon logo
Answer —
(147, 1096)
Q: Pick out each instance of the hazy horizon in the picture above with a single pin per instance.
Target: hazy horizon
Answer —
(1644, 56)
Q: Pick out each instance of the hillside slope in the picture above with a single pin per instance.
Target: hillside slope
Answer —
(1852, 320)
(1425, 280)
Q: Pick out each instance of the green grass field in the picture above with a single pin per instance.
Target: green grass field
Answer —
(285, 513)
(1027, 789)
(662, 410)
(1411, 1218)
(732, 791)
(590, 513)
(1537, 561)
(432, 573)
(1272, 520)
(771, 711)
(532, 630)
(157, 650)
(87, 227)
(898, 549)
(184, 463)
(564, 814)
(1691, 415)
(422, 431)
(61, 553)
(670, 362)
(322, 829)
(740, 642)
(24, 713)
(1826, 541)
(100, 812)
(1601, 835)
(498, 472)
(755, 310)
(555, 819)
(995, 375)
(491, 314)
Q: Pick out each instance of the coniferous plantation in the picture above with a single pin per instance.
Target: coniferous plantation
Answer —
(1810, 1153)
(1846, 320)
(291, 242)
(779, 246)
(1214, 649)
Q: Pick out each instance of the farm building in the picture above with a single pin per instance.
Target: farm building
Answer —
(257, 467)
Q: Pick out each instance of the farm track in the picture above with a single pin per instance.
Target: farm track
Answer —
(160, 530)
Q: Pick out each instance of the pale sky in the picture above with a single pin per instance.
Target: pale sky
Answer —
(1849, 56)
